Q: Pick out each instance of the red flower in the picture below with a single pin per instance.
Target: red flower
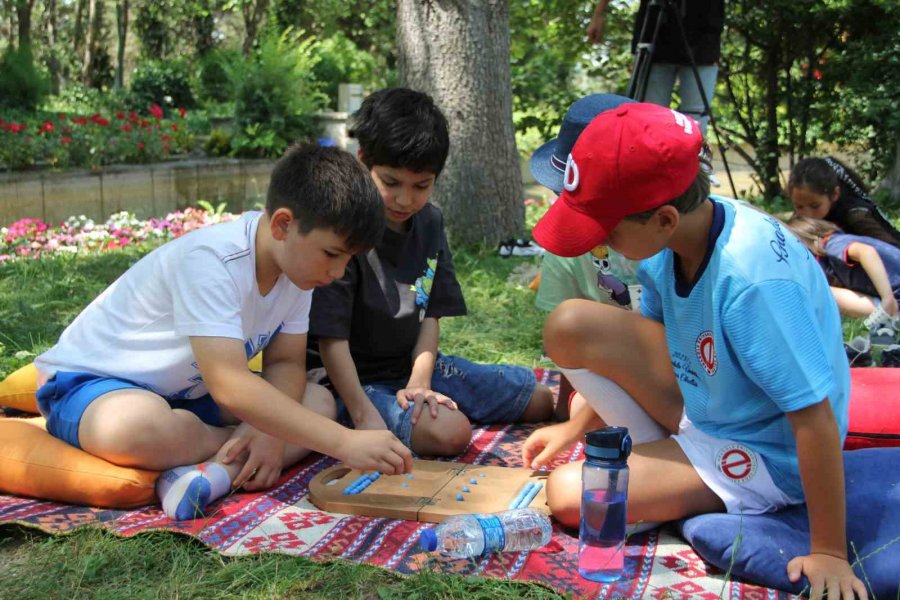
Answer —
(62, 116)
(174, 127)
(156, 111)
(126, 128)
(65, 140)
(47, 127)
(140, 145)
(120, 115)
(182, 112)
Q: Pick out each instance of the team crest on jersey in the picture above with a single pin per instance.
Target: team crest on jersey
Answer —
(706, 352)
(736, 462)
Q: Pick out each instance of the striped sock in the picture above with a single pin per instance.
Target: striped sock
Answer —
(185, 491)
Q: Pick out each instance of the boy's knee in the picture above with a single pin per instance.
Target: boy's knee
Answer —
(564, 494)
(447, 435)
(318, 399)
(563, 328)
(540, 407)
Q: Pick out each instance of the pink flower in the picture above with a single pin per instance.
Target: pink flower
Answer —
(156, 111)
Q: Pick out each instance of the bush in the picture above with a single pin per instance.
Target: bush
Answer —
(218, 143)
(166, 83)
(339, 60)
(213, 74)
(276, 96)
(22, 85)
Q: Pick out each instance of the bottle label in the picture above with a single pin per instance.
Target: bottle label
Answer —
(494, 536)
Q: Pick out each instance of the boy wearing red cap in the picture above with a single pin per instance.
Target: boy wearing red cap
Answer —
(733, 379)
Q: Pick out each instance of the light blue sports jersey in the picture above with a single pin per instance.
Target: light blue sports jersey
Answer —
(757, 335)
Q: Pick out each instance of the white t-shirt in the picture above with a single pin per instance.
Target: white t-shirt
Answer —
(202, 284)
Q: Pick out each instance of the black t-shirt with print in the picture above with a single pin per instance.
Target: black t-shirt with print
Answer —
(379, 304)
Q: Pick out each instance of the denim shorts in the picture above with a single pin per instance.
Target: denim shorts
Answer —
(65, 397)
(484, 393)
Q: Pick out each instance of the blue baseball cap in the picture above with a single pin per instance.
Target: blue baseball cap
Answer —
(548, 163)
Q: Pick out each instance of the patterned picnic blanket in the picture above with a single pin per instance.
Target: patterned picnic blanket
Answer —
(659, 564)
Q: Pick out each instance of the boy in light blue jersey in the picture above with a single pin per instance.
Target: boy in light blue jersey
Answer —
(733, 379)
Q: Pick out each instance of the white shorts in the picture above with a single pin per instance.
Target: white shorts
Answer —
(734, 472)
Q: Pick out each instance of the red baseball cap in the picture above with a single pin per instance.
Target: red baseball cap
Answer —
(628, 160)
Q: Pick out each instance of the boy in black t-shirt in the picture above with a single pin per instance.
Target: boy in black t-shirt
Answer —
(376, 330)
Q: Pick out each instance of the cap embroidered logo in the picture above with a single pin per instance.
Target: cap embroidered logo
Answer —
(683, 121)
(571, 176)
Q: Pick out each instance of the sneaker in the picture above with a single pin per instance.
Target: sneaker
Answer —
(891, 356)
(881, 327)
(859, 352)
(519, 247)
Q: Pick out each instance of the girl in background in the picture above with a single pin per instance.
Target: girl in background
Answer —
(825, 188)
(864, 273)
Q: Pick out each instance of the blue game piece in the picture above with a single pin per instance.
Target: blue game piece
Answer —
(459, 497)
(466, 488)
(482, 475)
(473, 481)
(410, 476)
(404, 484)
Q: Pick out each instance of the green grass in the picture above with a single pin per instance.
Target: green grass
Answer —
(38, 299)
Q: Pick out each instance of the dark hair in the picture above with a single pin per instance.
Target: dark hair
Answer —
(327, 188)
(401, 128)
(811, 231)
(686, 202)
(822, 175)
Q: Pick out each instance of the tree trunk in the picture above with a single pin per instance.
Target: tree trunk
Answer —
(122, 31)
(769, 145)
(458, 52)
(254, 11)
(23, 16)
(53, 65)
(90, 44)
(78, 36)
(204, 26)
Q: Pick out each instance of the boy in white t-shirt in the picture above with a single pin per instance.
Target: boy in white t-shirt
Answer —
(153, 373)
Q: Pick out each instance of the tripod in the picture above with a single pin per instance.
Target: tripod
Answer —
(656, 15)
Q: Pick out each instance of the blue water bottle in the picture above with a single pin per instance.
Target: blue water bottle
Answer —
(604, 491)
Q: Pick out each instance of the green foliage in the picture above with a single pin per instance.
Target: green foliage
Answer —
(338, 60)
(796, 73)
(213, 74)
(553, 64)
(166, 83)
(22, 85)
(276, 95)
(218, 143)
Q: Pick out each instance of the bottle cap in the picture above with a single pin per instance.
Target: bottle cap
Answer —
(611, 444)
(428, 540)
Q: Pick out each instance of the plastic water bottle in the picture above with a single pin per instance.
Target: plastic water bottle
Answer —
(604, 492)
(464, 536)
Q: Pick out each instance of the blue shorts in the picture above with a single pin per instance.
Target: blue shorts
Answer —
(484, 393)
(64, 398)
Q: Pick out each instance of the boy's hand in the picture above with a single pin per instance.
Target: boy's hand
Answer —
(369, 418)
(546, 442)
(264, 459)
(375, 451)
(889, 305)
(420, 396)
(829, 576)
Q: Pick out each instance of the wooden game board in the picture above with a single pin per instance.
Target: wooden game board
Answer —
(431, 492)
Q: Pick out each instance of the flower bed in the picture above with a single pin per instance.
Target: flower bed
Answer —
(95, 140)
(33, 238)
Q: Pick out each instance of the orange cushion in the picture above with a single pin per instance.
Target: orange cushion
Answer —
(18, 390)
(34, 463)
